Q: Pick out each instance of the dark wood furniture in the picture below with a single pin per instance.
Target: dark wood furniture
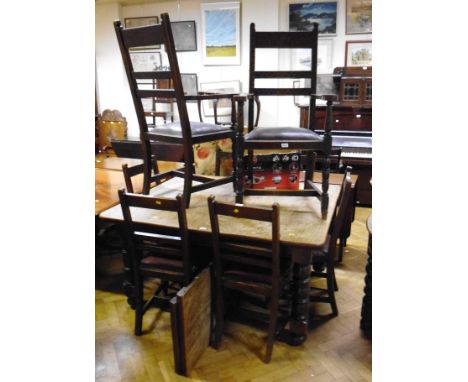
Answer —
(191, 322)
(245, 267)
(327, 255)
(355, 85)
(184, 132)
(164, 257)
(275, 138)
(366, 310)
(302, 229)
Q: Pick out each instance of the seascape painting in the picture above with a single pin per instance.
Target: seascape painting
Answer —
(302, 15)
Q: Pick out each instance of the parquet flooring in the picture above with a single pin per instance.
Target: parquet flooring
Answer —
(336, 349)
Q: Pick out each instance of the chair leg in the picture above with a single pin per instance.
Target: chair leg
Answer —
(272, 326)
(147, 164)
(331, 287)
(188, 176)
(219, 315)
(139, 303)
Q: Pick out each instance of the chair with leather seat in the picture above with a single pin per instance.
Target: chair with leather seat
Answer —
(184, 132)
(248, 268)
(325, 257)
(290, 138)
(159, 256)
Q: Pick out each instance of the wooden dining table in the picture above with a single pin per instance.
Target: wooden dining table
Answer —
(302, 229)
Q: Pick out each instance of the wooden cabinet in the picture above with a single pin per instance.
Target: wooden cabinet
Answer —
(345, 118)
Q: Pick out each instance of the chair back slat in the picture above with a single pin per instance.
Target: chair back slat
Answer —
(159, 75)
(282, 74)
(241, 211)
(285, 40)
(163, 93)
(143, 36)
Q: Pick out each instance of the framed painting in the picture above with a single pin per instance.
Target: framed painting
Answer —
(302, 15)
(132, 22)
(224, 105)
(146, 60)
(221, 33)
(358, 53)
(185, 36)
(301, 57)
(358, 16)
(189, 83)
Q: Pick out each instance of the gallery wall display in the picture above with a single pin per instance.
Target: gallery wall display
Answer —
(303, 15)
(185, 36)
(189, 83)
(358, 53)
(358, 16)
(221, 33)
(224, 105)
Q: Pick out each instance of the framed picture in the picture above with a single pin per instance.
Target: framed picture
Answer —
(221, 33)
(358, 53)
(189, 83)
(132, 22)
(185, 36)
(146, 60)
(301, 58)
(358, 16)
(224, 105)
(302, 15)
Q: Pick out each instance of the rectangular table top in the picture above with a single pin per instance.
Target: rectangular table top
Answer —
(300, 218)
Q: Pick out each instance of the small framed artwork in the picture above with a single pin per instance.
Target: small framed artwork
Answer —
(358, 16)
(189, 83)
(221, 33)
(358, 53)
(185, 36)
(146, 60)
(302, 16)
(224, 105)
(301, 58)
(132, 22)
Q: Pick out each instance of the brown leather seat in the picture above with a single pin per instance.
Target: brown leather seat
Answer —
(286, 133)
(174, 129)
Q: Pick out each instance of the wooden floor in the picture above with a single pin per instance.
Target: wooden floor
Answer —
(335, 350)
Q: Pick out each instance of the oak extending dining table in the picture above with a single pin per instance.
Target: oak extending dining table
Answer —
(302, 229)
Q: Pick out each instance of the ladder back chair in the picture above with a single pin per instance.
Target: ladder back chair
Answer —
(247, 267)
(327, 254)
(280, 138)
(161, 256)
(183, 132)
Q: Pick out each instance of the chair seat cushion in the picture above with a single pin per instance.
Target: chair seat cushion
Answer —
(282, 134)
(198, 129)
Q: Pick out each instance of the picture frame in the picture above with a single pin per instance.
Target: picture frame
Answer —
(224, 105)
(133, 22)
(301, 15)
(221, 33)
(189, 83)
(146, 60)
(358, 16)
(301, 57)
(358, 53)
(185, 35)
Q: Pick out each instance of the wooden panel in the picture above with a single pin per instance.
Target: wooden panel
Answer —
(191, 322)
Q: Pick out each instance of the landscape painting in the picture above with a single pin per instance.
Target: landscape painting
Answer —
(358, 16)
(221, 34)
(302, 15)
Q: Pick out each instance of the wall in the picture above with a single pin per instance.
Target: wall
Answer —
(113, 91)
